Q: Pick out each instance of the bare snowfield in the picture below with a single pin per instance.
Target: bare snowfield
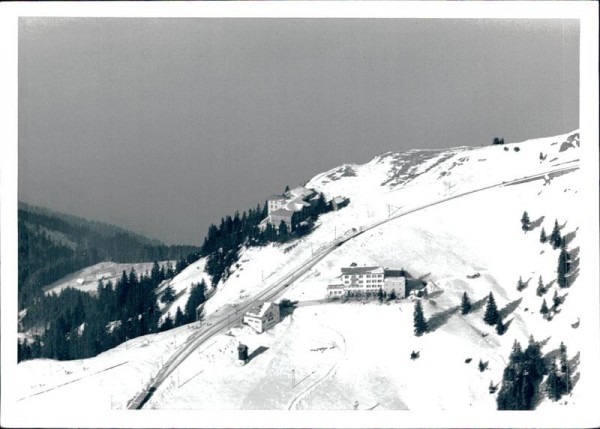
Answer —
(355, 355)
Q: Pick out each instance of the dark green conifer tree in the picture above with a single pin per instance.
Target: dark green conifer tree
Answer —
(556, 300)
(491, 315)
(555, 238)
(180, 318)
(419, 321)
(168, 295)
(564, 369)
(563, 268)
(543, 237)
(525, 222)
(500, 327)
(541, 290)
(554, 384)
(465, 305)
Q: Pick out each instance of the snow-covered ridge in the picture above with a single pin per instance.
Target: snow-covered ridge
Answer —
(348, 354)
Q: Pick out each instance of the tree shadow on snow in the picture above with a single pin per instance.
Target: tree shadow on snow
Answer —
(478, 305)
(439, 319)
(568, 238)
(435, 294)
(536, 223)
(510, 307)
(257, 352)
(574, 268)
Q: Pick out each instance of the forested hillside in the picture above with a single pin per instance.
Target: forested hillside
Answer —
(52, 245)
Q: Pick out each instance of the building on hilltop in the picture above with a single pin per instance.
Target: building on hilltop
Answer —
(335, 291)
(262, 316)
(394, 280)
(275, 202)
(339, 202)
(365, 281)
(282, 207)
(282, 214)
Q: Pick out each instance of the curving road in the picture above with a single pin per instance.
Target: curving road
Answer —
(209, 328)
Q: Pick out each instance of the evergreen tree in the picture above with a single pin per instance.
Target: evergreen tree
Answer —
(393, 294)
(541, 290)
(500, 327)
(482, 366)
(564, 369)
(197, 297)
(465, 305)
(525, 222)
(544, 309)
(555, 238)
(520, 284)
(179, 318)
(554, 384)
(543, 237)
(420, 324)
(556, 300)
(491, 315)
(168, 295)
(564, 266)
(167, 324)
(283, 232)
(380, 295)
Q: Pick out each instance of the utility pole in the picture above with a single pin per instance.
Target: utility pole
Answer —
(293, 378)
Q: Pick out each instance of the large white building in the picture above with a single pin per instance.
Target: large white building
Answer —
(368, 281)
(262, 316)
(282, 207)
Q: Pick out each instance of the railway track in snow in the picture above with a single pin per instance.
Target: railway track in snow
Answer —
(206, 330)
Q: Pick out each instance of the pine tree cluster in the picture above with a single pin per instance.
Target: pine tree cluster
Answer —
(80, 325)
(559, 381)
(522, 377)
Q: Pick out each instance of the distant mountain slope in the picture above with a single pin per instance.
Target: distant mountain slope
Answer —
(52, 245)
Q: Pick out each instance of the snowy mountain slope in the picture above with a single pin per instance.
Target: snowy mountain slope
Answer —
(366, 359)
(181, 285)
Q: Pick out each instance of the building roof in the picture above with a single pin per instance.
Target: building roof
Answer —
(259, 310)
(362, 270)
(297, 205)
(282, 212)
(394, 272)
(337, 286)
(276, 198)
(301, 192)
(339, 200)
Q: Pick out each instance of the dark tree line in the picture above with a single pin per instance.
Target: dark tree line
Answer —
(78, 325)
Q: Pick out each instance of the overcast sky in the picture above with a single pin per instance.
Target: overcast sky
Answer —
(163, 126)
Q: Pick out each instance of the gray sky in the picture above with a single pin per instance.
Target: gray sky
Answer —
(163, 126)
